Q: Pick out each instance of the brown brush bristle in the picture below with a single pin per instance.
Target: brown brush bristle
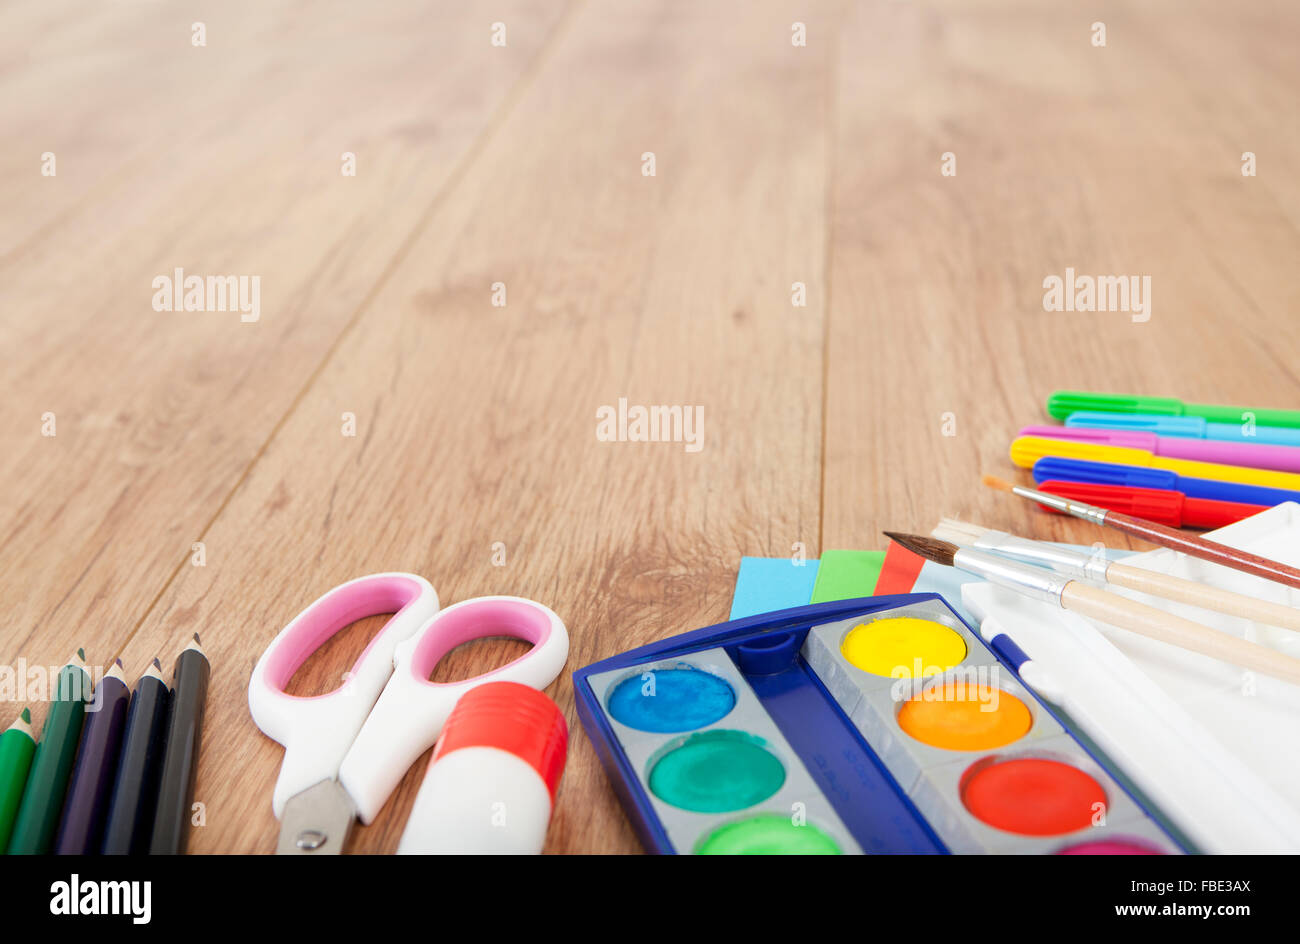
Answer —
(992, 481)
(941, 552)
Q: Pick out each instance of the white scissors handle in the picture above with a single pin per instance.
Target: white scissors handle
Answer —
(411, 711)
(317, 732)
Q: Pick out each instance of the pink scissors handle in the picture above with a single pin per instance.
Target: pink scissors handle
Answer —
(317, 731)
(409, 715)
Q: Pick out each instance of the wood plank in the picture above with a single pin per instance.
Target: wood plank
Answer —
(159, 414)
(477, 424)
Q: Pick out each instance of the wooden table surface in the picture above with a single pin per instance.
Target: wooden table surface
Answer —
(922, 345)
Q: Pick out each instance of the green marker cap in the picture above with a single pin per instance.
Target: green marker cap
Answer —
(1064, 402)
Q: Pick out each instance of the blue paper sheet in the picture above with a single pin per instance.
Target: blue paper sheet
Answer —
(764, 584)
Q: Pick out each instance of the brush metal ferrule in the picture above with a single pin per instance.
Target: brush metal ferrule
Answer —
(1077, 509)
(1063, 560)
(1033, 582)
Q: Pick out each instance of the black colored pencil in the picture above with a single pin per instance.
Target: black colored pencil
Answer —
(171, 822)
(92, 776)
(135, 790)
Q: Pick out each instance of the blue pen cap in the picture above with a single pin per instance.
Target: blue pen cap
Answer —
(1102, 473)
(1186, 427)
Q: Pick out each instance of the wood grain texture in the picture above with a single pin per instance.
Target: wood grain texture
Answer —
(219, 160)
(475, 424)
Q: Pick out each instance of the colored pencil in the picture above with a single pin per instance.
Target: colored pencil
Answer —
(1088, 600)
(17, 745)
(181, 756)
(135, 789)
(84, 810)
(1189, 544)
(47, 783)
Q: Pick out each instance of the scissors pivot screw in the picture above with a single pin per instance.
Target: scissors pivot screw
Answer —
(316, 821)
(309, 840)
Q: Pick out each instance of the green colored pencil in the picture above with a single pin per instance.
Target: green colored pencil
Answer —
(38, 814)
(17, 745)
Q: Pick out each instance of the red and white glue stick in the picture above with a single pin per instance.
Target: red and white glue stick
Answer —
(491, 783)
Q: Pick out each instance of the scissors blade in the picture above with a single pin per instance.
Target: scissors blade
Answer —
(316, 821)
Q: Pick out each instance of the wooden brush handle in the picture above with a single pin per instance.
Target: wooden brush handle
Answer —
(1196, 546)
(1204, 596)
(1156, 624)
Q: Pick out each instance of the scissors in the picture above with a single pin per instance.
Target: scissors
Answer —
(345, 751)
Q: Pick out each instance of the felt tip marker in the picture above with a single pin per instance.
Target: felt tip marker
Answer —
(1253, 455)
(1187, 427)
(1155, 504)
(1064, 402)
(1051, 468)
(1026, 450)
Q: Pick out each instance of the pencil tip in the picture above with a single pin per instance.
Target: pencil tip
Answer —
(81, 654)
(197, 639)
(26, 715)
(156, 664)
(118, 662)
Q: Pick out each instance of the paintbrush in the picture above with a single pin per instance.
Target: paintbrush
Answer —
(1087, 600)
(1191, 545)
(1097, 567)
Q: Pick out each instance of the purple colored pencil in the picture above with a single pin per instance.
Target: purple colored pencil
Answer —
(86, 805)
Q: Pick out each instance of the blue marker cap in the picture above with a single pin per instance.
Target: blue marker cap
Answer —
(1186, 427)
(1103, 473)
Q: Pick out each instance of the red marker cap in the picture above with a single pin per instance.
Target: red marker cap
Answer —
(1163, 506)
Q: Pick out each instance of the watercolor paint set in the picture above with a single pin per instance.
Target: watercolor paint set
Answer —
(875, 725)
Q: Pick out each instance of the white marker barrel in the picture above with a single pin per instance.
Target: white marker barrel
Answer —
(490, 786)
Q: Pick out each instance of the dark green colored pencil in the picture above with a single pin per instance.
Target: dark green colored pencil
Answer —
(38, 814)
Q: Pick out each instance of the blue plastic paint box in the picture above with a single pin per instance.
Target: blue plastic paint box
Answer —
(877, 725)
